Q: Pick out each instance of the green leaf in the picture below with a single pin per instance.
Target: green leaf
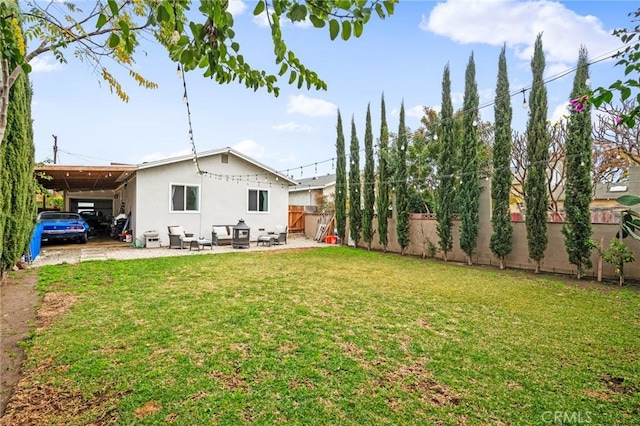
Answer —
(163, 14)
(26, 67)
(113, 6)
(379, 11)
(259, 8)
(346, 30)
(124, 26)
(102, 19)
(114, 40)
(298, 13)
(625, 92)
(283, 68)
(292, 77)
(317, 22)
(357, 28)
(388, 4)
(235, 46)
(607, 96)
(628, 200)
(300, 81)
(186, 57)
(334, 29)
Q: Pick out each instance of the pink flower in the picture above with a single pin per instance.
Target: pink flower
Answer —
(579, 103)
(618, 120)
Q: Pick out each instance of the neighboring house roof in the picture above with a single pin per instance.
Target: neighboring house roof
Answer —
(316, 182)
(205, 154)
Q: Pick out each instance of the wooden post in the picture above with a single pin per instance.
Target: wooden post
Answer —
(600, 260)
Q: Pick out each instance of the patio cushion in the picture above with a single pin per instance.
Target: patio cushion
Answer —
(176, 230)
(221, 231)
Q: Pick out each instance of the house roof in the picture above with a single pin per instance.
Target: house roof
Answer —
(59, 177)
(315, 182)
(205, 154)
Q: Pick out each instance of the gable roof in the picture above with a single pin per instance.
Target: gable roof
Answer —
(316, 182)
(205, 154)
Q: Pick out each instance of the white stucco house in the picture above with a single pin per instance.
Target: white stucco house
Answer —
(311, 191)
(170, 192)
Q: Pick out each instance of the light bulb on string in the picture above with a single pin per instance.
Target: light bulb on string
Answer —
(179, 71)
(184, 97)
(175, 37)
(524, 100)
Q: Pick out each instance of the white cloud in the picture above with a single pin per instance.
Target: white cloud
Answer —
(312, 107)
(560, 112)
(261, 20)
(45, 64)
(517, 23)
(416, 111)
(236, 7)
(250, 148)
(293, 127)
(303, 24)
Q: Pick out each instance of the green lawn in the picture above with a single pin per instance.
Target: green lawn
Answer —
(332, 336)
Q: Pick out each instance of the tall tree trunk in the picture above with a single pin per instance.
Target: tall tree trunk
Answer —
(501, 263)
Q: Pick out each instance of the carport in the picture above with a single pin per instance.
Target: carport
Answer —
(87, 188)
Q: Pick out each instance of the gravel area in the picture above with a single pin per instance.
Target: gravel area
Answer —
(74, 253)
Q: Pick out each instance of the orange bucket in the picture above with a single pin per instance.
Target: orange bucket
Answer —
(332, 239)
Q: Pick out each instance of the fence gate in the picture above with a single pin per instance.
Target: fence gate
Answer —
(296, 219)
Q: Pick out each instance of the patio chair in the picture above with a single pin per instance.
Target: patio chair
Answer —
(178, 238)
(282, 232)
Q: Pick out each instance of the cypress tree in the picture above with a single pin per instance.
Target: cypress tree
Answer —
(500, 242)
(445, 192)
(577, 229)
(369, 183)
(18, 183)
(341, 183)
(538, 139)
(383, 178)
(355, 209)
(469, 187)
(402, 194)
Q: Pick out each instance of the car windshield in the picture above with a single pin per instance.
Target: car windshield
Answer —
(59, 215)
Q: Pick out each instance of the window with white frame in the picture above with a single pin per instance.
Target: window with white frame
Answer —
(258, 200)
(185, 198)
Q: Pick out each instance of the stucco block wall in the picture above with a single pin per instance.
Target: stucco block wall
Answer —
(423, 228)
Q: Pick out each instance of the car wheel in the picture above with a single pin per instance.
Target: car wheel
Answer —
(83, 239)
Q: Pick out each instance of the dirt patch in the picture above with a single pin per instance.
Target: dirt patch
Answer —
(54, 305)
(415, 378)
(230, 382)
(35, 402)
(618, 385)
(18, 304)
(147, 409)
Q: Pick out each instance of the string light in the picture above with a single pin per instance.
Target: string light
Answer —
(180, 72)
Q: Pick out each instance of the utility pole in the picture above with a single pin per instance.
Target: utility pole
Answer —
(55, 149)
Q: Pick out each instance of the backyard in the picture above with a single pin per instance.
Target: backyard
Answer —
(327, 336)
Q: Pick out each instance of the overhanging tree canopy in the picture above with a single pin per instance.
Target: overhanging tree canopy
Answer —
(111, 29)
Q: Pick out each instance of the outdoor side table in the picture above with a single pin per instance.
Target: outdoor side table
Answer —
(267, 239)
(199, 244)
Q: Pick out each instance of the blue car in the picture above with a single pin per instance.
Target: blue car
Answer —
(63, 226)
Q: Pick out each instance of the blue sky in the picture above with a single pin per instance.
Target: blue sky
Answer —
(402, 56)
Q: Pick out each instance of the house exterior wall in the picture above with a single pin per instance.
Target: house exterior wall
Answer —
(304, 197)
(221, 202)
(127, 202)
